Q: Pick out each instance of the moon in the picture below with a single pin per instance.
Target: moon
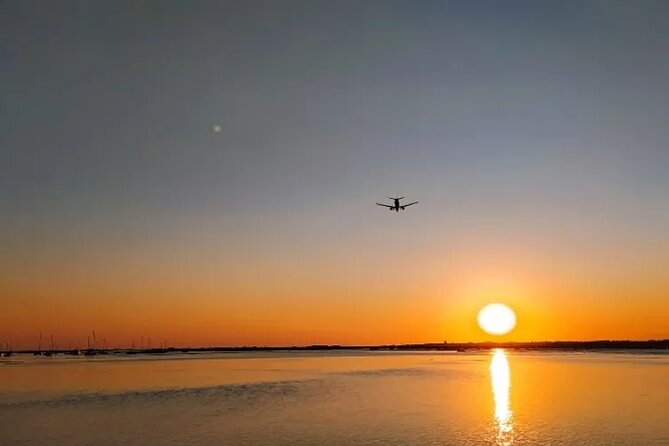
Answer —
(217, 128)
(497, 319)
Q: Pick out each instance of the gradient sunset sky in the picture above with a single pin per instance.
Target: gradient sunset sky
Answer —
(535, 135)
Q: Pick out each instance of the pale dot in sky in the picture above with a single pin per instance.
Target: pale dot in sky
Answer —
(217, 128)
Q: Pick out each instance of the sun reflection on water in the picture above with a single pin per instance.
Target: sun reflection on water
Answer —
(500, 376)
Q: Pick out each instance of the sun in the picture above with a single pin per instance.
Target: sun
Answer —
(497, 319)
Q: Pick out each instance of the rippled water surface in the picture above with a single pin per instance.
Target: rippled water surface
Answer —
(355, 398)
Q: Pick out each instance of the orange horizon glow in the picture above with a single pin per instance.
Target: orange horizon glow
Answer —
(207, 319)
(209, 293)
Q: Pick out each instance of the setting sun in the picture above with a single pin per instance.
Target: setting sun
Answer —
(497, 319)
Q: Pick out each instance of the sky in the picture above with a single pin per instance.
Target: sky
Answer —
(535, 135)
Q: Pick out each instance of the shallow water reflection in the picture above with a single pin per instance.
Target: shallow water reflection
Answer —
(500, 377)
(337, 399)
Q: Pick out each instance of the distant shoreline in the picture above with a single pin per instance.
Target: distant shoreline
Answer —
(445, 346)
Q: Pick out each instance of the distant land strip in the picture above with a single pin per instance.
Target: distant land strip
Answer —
(662, 344)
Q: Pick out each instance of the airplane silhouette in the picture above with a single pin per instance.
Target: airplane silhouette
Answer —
(397, 206)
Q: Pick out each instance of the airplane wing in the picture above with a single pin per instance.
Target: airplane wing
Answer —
(381, 204)
(409, 204)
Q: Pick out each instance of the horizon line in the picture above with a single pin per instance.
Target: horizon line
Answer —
(444, 345)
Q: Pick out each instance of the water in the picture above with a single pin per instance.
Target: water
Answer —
(353, 398)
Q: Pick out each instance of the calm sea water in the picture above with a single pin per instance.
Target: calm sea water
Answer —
(310, 398)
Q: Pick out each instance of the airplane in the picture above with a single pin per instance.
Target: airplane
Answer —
(397, 206)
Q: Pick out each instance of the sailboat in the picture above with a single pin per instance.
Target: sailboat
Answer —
(39, 351)
(8, 352)
(89, 351)
(51, 352)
